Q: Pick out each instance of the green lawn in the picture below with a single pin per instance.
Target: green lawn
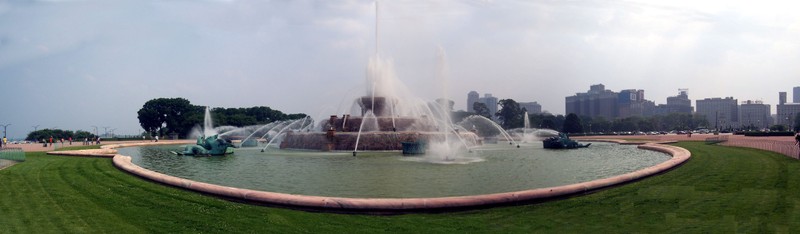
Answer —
(720, 189)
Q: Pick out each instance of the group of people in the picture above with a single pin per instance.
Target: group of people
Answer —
(86, 141)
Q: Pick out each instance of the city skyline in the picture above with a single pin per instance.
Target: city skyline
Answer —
(77, 64)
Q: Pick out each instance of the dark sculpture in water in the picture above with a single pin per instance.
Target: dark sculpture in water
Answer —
(562, 141)
(211, 145)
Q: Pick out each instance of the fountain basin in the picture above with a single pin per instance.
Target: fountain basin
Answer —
(333, 203)
(489, 169)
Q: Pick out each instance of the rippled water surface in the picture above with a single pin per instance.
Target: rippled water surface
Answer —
(489, 169)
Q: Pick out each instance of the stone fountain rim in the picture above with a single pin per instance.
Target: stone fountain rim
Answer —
(404, 205)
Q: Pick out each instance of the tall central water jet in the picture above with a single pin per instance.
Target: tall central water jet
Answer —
(389, 116)
(208, 124)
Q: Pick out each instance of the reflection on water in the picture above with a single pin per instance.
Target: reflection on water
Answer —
(489, 169)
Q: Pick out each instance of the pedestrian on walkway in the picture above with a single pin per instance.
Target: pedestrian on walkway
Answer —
(797, 139)
(5, 142)
(70, 140)
(51, 140)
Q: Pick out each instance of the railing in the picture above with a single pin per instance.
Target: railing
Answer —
(9, 153)
(787, 148)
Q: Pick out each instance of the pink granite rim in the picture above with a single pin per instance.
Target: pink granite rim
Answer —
(403, 205)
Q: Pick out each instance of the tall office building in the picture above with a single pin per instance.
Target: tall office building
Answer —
(796, 95)
(786, 111)
(755, 114)
(531, 107)
(596, 102)
(599, 102)
(472, 98)
(631, 102)
(721, 113)
(491, 103)
(781, 98)
(676, 104)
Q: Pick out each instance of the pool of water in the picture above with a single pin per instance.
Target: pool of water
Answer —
(489, 169)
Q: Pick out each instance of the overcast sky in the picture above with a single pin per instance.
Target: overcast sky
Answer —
(73, 64)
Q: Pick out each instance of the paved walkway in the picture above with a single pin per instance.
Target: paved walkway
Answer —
(782, 144)
(39, 148)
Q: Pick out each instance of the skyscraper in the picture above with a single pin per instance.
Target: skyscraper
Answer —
(781, 98)
(796, 95)
(472, 98)
(491, 103)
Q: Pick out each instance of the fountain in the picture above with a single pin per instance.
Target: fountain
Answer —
(389, 118)
(562, 141)
(209, 143)
(303, 163)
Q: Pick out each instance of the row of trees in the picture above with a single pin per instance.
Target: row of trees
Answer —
(511, 115)
(164, 116)
(45, 134)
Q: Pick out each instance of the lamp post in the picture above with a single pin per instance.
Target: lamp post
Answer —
(106, 130)
(95, 130)
(35, 127)
(4, 128)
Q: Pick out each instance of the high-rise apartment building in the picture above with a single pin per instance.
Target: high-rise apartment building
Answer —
(781, 98)
(676, 104)
(491, 103)
(631, 102)
(531, 107)
(786, 111)
(754, 114)
(597, 102)
(796, 94)
(472, 98)
(721, 113)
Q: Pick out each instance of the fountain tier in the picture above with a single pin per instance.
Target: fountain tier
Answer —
(381, 131)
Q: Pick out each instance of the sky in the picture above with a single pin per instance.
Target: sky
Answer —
(74, 64)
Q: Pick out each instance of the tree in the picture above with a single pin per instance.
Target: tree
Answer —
(458, 116)
(510, 114)
(167, 115)
(547, 120)
(57, 134)
(572, 124)
(178, 115)
(482, 110)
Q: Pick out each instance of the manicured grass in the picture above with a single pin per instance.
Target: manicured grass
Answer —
(720, 189)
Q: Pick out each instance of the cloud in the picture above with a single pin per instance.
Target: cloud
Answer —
(305, 56)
